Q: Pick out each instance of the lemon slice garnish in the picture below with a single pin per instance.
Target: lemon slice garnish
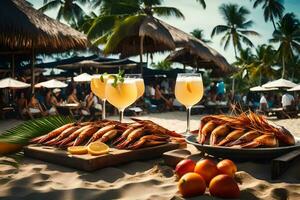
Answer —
(77, 150)
(189, 87)
(97, 148)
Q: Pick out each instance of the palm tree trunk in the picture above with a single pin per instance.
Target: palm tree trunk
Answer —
(272, 19)
(141, 53)
(234, 47)
(233, 79)
(283, 67)
(260, 77)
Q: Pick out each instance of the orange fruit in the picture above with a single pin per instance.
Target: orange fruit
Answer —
(7, 148)
(224, 186)
(184, 166)
(97, 148)
(207, 169)
(227, 167)
(191, 184)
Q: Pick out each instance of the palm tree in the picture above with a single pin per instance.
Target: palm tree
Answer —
(273, 9)
(69, 10)
(245, 58)
(262, 62)
(236, 27)
(202, 2)
(198, 33)
(114, 13)
(288, 37)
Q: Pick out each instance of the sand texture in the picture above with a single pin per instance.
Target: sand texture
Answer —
(34, 179)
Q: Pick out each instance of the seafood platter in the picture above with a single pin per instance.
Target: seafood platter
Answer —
(244, 136)
(141, 139)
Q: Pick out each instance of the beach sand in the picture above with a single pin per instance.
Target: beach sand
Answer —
(34, 179)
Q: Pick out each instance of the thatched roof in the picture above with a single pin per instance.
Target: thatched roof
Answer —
(24, 28)
(198, 48)
(156, 38)
(185, 57)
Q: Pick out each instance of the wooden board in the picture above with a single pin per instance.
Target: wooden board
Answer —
(282, 163)
(91, 163)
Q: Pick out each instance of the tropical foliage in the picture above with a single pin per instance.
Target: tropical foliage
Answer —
(22, 133)
(162, 65)
(273, 9)
(198, 33)
(236, 27)
(115, 14)
(68, 10)
(287, 35)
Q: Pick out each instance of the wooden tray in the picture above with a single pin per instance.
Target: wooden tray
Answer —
(91, 163)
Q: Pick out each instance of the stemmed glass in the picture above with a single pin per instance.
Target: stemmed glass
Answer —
(121, 95)
(139, 81)
(98, 88)
(189, 91)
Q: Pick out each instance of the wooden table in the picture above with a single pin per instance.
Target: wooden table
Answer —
(66, 109)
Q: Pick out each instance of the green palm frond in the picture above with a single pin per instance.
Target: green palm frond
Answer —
(50, 5)
(22, 133)
(202, 2)
(122, 30)
(164, 11)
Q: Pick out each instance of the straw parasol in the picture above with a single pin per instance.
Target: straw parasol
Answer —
(296, 88)
(53, 83)
(24, 28)
(262, 89)
(85, 77)
(199, 49)
(186, 58)
(12, 83)
(146, 35)
(151, 35)
(280, 83)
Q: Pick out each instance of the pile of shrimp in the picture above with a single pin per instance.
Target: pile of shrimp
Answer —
(246, 130)
(140, 133)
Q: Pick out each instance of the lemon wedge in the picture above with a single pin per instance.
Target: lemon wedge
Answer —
(77, 150)
(97, 148)
(189, 86)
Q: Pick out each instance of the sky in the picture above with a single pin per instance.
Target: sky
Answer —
(197, 17)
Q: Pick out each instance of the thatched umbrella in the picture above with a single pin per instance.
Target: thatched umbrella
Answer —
(24, 30)
(153, 35)
(147, 35)
(198, 50)
(185, 57)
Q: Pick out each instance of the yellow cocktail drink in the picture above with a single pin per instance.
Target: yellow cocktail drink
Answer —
(140, 87)
(98, 87)
(123, 95)
(189, 90)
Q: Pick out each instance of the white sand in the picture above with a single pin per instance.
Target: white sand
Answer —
(137, 180)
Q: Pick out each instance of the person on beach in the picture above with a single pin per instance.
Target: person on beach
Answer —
(288, 102)
(263, 103)
(72, 98)
(35, 107)
(22, 104)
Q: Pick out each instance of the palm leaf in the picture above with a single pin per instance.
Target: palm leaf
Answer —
(202, 2)
(50, 5)
(164, 11)
(22, 133)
